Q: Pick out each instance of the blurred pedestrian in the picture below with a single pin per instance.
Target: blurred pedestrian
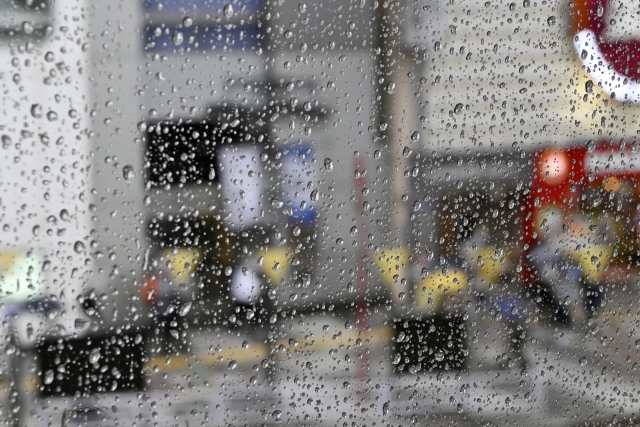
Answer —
(169, 288)
(248, 289)
(559, 276)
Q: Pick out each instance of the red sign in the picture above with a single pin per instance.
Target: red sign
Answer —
(611, 60)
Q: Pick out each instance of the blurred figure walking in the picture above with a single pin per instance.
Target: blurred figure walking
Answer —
(169, 288)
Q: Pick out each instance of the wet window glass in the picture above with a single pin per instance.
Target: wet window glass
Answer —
(339, 213)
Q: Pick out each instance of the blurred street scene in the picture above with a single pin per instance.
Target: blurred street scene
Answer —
(341, 213)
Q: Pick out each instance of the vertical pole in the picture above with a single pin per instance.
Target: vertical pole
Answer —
(362, 311)
(395, 110)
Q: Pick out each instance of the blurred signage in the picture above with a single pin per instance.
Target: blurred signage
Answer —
(242, 185)
(604, 163)
(20, 275)
(519, 85)
(608, 48)
(298, 184)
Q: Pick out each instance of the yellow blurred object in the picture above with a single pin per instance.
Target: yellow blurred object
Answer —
(392, 261)
(182, 262)
(21, 275)
(275, 262)
(593, 261)
(488, 264)
(432, 290)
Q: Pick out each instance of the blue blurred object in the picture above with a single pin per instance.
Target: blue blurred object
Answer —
(204, 39)
(513, 308)
(198, 5)
(40, 305)
(297, 170)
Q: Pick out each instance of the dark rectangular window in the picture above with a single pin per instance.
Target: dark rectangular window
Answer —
(184, 152)
(180, 153)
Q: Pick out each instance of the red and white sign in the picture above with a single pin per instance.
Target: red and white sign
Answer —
(608, 47)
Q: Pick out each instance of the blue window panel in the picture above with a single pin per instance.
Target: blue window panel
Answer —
(206, 39)
(198, 5)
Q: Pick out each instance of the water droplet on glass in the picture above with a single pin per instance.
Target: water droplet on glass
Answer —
(48, 377)
(439, 355)
(348, 325)
(184, 309)
(458, 108)
(314, 195)
(94, 356)
(391, 87)
(293, 342)
(588, 86)
(385, 408)
(142, 126)
(228, 11)
(328, 164)
(80, 324)
(228, 270)
(187, 22)
(302, 7)
(406, 152)
(6, 141)
(52, 116)
(599, 10)
(415, 137)
(27, 27)
(36, 111)
(79, 247)
(551, 20)
(417, 205)
(277, 203)
(177, 38)
(233, 364)
(128, 173)
(584, 54)
(296, 231)
(353, 231)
